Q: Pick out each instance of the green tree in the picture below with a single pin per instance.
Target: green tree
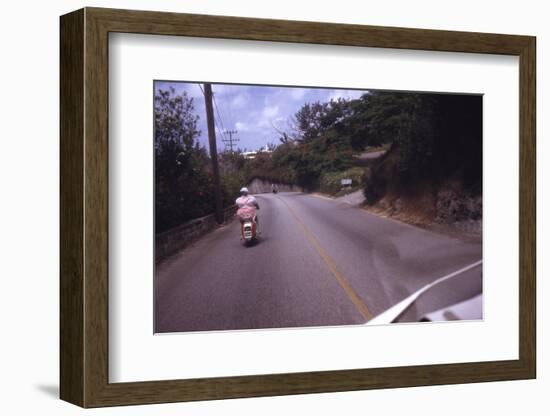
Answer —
(174, 120)
(320, 145)
(308, 120)
(183, 182)
(434, 137)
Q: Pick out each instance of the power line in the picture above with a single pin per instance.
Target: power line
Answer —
(218, 111)
(215, 120)
(231, 139)
(223, 110)
(226, 109)
(230, 108)
(213, 152)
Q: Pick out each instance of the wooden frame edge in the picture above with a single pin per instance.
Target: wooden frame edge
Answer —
(527, 207)
(84, 207)
(72, 367)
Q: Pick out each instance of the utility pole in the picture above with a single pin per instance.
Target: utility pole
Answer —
(231, 139)
(213, 152)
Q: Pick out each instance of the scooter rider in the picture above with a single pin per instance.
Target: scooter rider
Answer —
(247, 206)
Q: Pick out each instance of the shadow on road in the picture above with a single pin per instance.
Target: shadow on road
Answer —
(253, 243)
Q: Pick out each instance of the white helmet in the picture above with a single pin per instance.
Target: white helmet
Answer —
(244, 190)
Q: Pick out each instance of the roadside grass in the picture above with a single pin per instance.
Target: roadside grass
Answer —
(331, 182)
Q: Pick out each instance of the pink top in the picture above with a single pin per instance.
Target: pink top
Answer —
(247, 207)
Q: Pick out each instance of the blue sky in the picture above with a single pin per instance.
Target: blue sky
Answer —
(253, 110)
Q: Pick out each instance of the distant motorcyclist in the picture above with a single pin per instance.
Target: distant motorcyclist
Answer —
(247, 206)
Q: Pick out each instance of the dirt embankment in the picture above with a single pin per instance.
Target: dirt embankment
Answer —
(444, 204)
(442, 209)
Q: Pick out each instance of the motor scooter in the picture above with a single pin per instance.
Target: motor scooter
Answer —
(248, 230)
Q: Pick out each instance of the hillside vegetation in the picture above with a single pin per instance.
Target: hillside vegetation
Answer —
(431, 169)
(429, 166)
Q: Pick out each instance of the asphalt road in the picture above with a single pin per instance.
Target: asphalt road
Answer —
(317, 262)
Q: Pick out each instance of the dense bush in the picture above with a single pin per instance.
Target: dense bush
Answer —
(232, 176)
(331, 182)
(183, 178)
(316, 146)
(437, 136)
(374, 186)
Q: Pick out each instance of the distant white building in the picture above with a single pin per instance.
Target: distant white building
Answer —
(265, 149)
(253, 154)
(249, 155)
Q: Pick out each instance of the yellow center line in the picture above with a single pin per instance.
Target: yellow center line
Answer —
(350, 292)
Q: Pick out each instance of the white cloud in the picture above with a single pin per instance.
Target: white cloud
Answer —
(239, 101)
(241, 126)
(270, 111)
(297, 93)
(221, 89)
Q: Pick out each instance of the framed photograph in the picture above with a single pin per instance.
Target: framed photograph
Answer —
(255, 207)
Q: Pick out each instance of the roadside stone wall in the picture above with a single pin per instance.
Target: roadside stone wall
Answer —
(259, 186)
(177, 238)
